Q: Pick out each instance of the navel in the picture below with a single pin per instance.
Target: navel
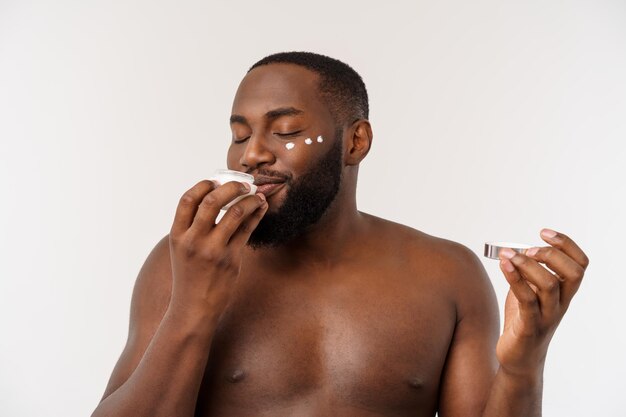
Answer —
(236, 376)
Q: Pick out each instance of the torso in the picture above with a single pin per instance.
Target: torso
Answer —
(368, 338)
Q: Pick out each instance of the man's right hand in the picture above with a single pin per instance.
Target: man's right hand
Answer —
(206, 257)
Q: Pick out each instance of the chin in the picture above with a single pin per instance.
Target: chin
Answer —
(272, 209)
(276, 201)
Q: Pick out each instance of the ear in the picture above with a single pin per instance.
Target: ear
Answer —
(358, 142)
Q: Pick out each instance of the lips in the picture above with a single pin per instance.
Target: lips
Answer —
(268, 185)
(269, 188)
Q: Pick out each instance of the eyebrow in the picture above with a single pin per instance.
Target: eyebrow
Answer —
(270, 115)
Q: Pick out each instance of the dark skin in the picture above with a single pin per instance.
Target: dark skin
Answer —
(359, 317)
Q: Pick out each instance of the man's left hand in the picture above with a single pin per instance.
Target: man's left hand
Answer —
(537, 299)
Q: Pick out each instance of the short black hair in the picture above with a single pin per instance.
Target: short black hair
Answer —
(340, 86)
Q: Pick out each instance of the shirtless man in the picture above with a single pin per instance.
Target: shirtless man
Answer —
(297, 304)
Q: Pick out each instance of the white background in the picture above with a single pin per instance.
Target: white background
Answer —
(492, 119)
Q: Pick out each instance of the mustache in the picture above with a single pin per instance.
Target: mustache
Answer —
(272, 174)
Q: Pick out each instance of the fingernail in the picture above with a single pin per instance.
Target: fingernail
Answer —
(548, 233)
(246, 186)
(508, 266)
(507, 253)
(261, 196)
(532, 251)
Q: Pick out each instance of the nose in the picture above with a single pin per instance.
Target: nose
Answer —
(256, 153)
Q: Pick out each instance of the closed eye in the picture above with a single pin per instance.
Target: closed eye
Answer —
(289, 134)
(241, 140)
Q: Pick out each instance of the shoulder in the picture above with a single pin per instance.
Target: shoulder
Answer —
(450, 265)
(445, 256)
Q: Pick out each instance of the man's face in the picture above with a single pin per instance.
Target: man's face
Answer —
(282, 131)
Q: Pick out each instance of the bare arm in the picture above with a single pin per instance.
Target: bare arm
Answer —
(180, 294)
(474, 383)
(162, 365)
(471, 364)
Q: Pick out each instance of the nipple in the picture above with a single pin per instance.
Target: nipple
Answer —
(236, 376)
(416, 382)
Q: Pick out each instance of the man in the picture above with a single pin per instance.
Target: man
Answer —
(297, 304)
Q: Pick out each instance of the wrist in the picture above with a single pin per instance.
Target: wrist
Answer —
(193, 318)
(528, 374)
(515, 393)
(190, 303)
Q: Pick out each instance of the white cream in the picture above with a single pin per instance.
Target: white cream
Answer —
(308, 141)
(290, 145)
(320, 139)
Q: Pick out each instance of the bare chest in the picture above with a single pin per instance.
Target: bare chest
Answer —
(374, 340)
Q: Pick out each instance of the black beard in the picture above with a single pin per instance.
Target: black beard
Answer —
(305, 203)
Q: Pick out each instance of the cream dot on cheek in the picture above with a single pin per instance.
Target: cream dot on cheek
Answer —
(308, 141)
(320, 139)
(290, 145)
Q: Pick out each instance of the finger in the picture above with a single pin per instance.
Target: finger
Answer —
(213, 202)
(569, 271)
(235, 216)
(567, 245)
(527, 298)
(548, 286)
(188, 205)
(242, 235)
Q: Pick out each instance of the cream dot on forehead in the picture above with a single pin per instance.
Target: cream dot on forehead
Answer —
(308, 141)
(290, 145)
(320, 139)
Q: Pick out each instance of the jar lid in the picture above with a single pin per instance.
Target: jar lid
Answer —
(492, 249)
